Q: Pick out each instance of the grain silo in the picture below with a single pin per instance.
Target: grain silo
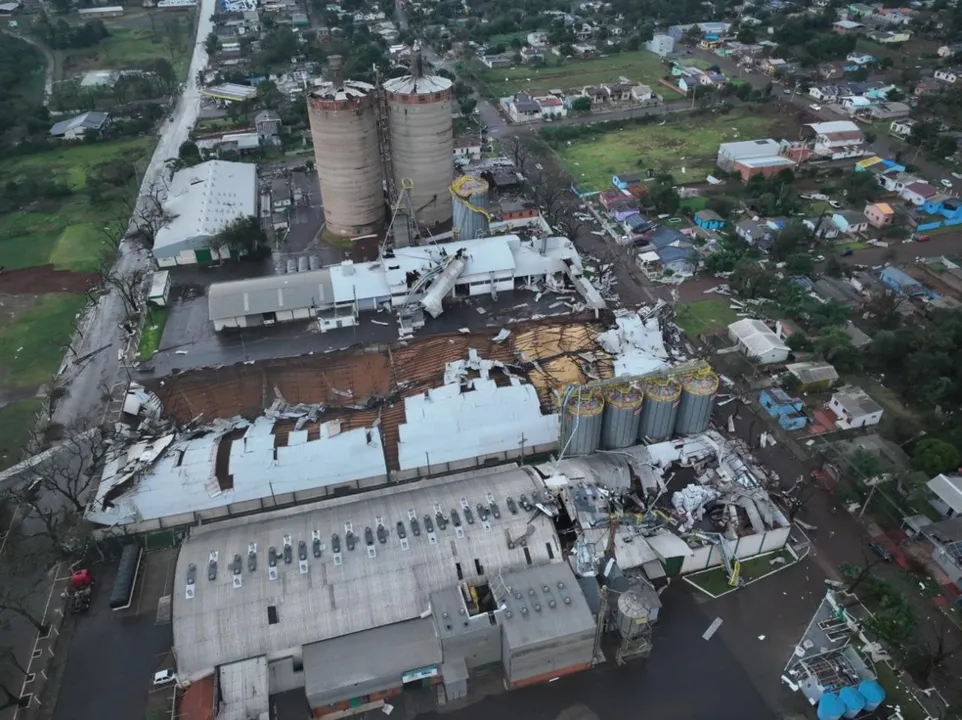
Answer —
(470, 207)
(697, 402)
(622, 416)
(660, 409)
(422, 139)
(638, 609)
(582, 420)
(343, 118)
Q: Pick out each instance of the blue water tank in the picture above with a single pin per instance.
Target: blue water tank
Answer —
(854, 702)
(873, 693)
(830, 707)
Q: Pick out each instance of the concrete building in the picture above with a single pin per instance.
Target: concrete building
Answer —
(837, 139)
(759, 342)
(357, 599)
(267, 123)
(765, 166)
(201, 201)
(661, 45)
(732, 152)
(879, 215)
(853, 408)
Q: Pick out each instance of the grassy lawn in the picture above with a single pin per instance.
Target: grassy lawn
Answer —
(16, 421)
(152, 333)
(127, 48)
(694, 204)
(704, 316)
(641, 66)
(897, 694)
(851, 246)
(685, 147)
(32, 342)
(716, 581)
(72, 161)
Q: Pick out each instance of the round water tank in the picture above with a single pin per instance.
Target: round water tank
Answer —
(582, 421)
(854, 702)
(422, 140)
(622, 415)
(343, 118)
(830, 707)
(469, 203)
(633, 612)
(660, 409)
(696, 403)
(873, 693)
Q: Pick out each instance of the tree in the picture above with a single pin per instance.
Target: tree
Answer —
(212, 43)
(467, 105)
(148, 215)
(581, 104)
(835, 347)
(834, 267)
(189, 153)
(791, 239)
(243, 236)
(800, 264)
(933, 457)
(174, 35)
(860, 187)
(663, 195)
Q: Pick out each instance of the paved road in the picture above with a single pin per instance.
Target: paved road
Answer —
(93, 364)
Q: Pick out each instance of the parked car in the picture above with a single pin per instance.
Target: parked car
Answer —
(882, 551)
(164, 677)
(847, 253)
(816, 108)
(835, 204)
(922, 238)
(946, 183)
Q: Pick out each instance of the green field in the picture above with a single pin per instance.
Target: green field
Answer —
(128, 48)
(683, 146)
(71, 161)
(152, 333)
(17, 420)
(715, 581)
(641, 66)
(704, 316)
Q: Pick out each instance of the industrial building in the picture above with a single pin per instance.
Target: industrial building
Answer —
(357, 599)
(201, 201)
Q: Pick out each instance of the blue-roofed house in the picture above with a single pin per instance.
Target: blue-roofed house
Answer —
(678, 260)
(709, 220)
(902, 283)
(789, 411)
(636, 223)
(623, 181)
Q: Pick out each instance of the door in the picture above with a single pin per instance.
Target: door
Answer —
(203, 255)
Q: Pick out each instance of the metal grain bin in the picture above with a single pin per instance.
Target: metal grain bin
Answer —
(697, 402)
(622, 416)
(582, 420)
(660, 409)
(470, 207)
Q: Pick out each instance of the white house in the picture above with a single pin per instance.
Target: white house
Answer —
(901, 128)
(850, 222)
(661, 45)
(917, 193)
(950, 50)
(759, 342)
(853, 408)
(551, 107)
(860, 58)
(467, 148)
(76, 128)
(949, 75)
(538, 40)
(837, 139)
(642, 93)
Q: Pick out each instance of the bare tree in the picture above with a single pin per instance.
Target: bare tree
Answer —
(518, 151)
(129, 286)
(148, 216)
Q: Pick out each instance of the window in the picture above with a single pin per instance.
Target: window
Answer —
(527, 556)
(272, 615)
(460, 573)
(478, 566)
(550, 550)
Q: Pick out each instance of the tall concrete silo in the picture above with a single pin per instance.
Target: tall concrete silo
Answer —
(660, 409)
(470, 206)
(343, 118)
(622, 416)
(581, 422)
(422, 139)
(697, 402)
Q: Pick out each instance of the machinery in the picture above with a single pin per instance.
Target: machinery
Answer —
(80, 591)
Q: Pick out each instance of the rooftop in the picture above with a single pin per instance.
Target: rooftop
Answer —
(269, 294)
(87, 120)
(412, 85)
(383, 580)
(347, 90)
(856, 402)
(949, 490)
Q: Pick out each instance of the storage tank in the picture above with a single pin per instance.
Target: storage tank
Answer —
(830, 707)
(660, 409)
(422, 139)
(873, 693)
(343, 118)
(582, 421)
(853, 700)
(697, 402)
(470, 207)
(622, 416)
(636, 610)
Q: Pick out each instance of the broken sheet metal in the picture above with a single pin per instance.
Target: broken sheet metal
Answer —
(636, 343)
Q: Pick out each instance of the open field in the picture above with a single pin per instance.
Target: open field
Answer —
(17, 420)
(127, 48)
(71, 161)
(685, 147)
(641, 66)
(32, 338)
(704, 316)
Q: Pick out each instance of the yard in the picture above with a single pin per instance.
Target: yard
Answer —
(17, 420)
(152, 333)
(685, 147)
(715, 581)
(127, 48)
(639, 66)
(704, 316)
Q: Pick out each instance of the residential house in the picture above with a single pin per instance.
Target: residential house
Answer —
(530, 54)
(81, 126)
(675, 250)
(551, 106)
(771, 66)
(823, 93)
(280, 194)
(584, 31)
(709, 220)
(623, 181)
(917, 193)
(860, 58)
(947, 51)
(813, 375)
(661, 45)
(838, 289)
(765, 166)
(884, 111)
(755, 233)
(901, 282)
(597, 94)
(897, 17)
(521, 108)
(789, 411)
(847, 27)
(949, 75)
(642, 93)
(584, 49)
(538, 40)
(859, 10)
(948, 206)
(947, 490)
(837, 139)
(946, 539)
(850, 222)
(823, 227)
(467, 148)
(927, 86)
(829, 71)
(879, 215)
(268, 125)
(854, 104)
(853, 408)
(610, 199)
(496, 62)
(887, 37)
(636, 223)
(901, 128)
(897, 181)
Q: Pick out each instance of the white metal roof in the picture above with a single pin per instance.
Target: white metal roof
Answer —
(204, 199)
(358, 281)
(484, 256)
(410, 85)
(270, 294)
(759, 340)
(834, 126)
(370, 586)
(244, 690)
(949, 490)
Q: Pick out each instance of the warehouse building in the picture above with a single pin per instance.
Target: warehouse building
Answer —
(201, 201)
(733, 152)
(361, 598)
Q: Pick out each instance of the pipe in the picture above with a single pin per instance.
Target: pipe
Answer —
(443, 285)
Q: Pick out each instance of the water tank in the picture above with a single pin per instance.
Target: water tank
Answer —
(291, 266)
(422, 139)
(830, 707)
(303, 263)
(696, 404)
(853, 700)
(470, 207)
(582, 421)
(635, 611)
(873, 693)
(660, 409)
(343, 118)
(314, 262)
(622, 416)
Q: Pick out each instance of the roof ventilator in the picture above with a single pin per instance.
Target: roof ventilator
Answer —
(441, 520)
(466, 509)
(525, 505)
(415, 527)
(271, 563)
(483, 514)
(429, 526)
(456, 519)
(402, 534)
(251, 557)
(238, 567)
(302, 556)
(316, 544)
(381, 530)
(369, 541)
(512, 505)
(212, 565)
(191, 581)
(288, 549)
(349, 536)
(336, 548)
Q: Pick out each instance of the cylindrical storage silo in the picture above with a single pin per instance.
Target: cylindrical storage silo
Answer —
(634, 612)
(830, 707)
(343, 118)
(422, 139)
(873, 693)
(622, 416)
(291, 266)
(470, 207)
(302, 263)
(659, 410)
(853, 700)
(697, 402)
(582, 421)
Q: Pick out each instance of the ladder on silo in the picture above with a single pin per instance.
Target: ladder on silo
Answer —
(384, 142)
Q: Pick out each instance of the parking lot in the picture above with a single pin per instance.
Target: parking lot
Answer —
(112, 656)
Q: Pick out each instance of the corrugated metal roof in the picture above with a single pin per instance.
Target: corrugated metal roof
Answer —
(348, 90)
(410, 85)
(270, 294)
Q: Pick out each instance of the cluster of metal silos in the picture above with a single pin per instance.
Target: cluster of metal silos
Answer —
(660, 410)
(343, 118)
(583, 417)
(622, 415)
(697, 402)
(470, 206)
